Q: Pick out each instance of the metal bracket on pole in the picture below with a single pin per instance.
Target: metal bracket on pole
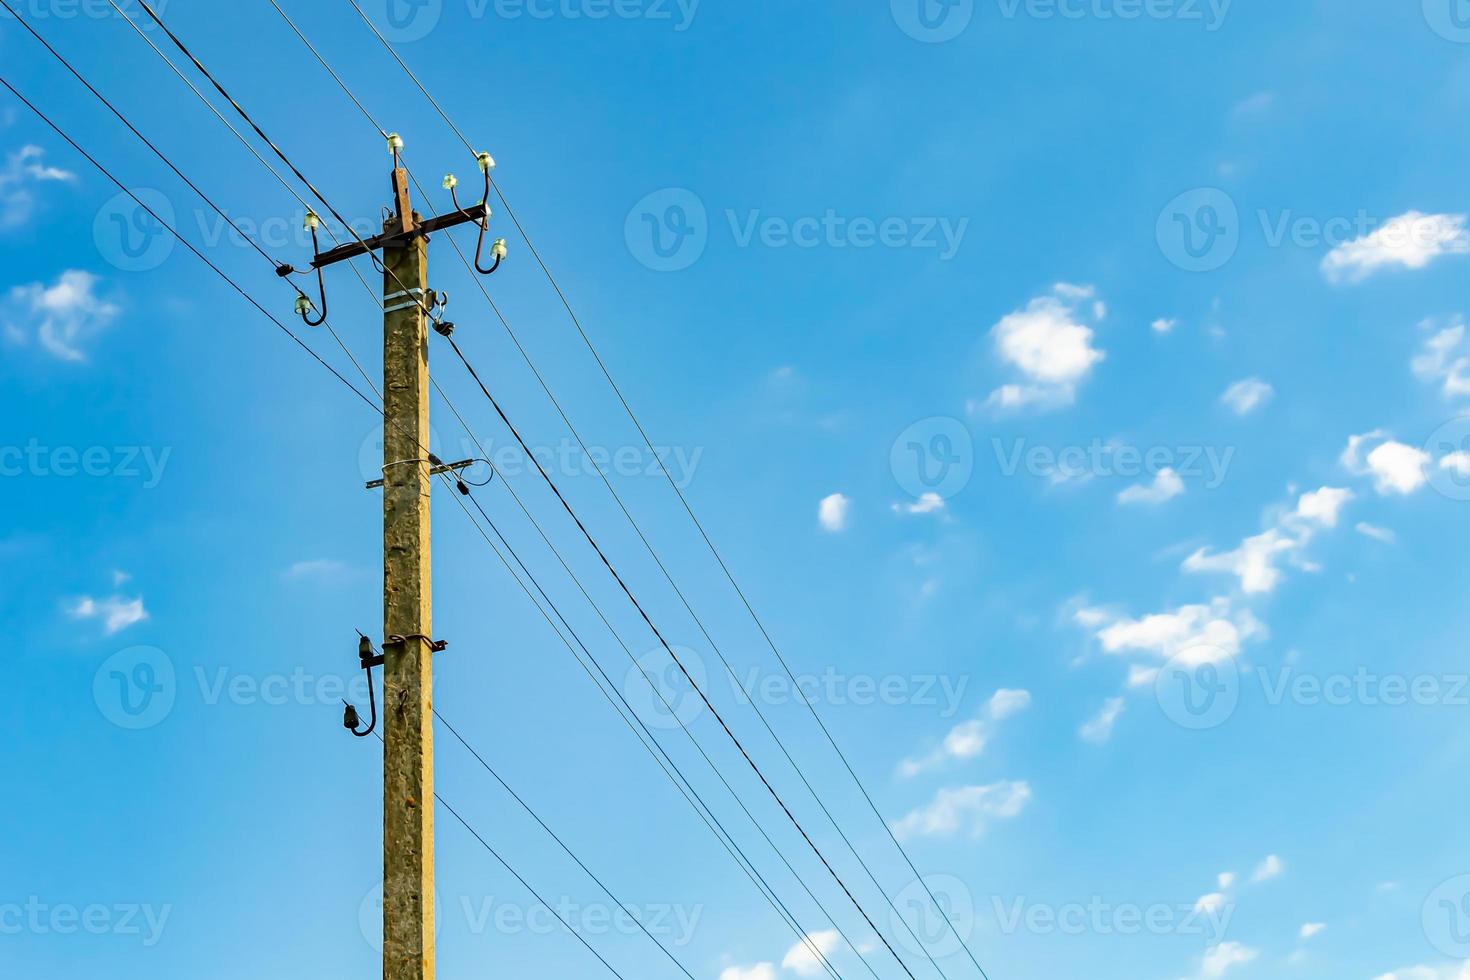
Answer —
(463, 464)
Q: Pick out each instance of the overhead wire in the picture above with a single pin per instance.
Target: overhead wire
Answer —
(688, 508)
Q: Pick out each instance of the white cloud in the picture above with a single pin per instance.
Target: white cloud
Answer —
(1312, 930)
(1100, 728)
(1226, 880)
(1448, 972)
(929, 503)
(1246, 396)
(1166, 486)
(802, 961)
(22, 169)
(1270, 868)
(1410, 241)
(1255, 561)
(1162, 326)
(1323, 506)
(1395, 467)
(115, 612)
(66, 313)
(965, 809)
(1050, 346)
(832, 512)
(968, 739)
(1219, 960)
(1211, 904)
(1444, 359)
(1006, 702)
(1206, 632)
(1377, 533)
(761, 971)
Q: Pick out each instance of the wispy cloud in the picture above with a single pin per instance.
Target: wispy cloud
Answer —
(64, 314)
(968, 739)
(23, 169)
(1245, 396)
(115, 612)
(967, 810)
(1100, 729)
(1410, 241)
(1166, 485)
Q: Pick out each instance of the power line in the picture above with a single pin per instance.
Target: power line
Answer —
(561, 843)
(524, 883)
(168, 162)
(234, 285)
(679, 663)
(714, 551)
(187, 244)
(651, 744)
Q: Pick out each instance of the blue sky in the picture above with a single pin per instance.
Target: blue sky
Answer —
(1076, 388)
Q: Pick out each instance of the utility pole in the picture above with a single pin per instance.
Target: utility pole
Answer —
(408, 680)
(408, 647)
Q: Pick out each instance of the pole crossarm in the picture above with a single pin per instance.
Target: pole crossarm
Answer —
(478, 212)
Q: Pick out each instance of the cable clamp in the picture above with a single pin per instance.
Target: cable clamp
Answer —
(397, 640)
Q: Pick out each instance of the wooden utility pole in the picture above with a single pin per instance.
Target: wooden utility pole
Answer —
(408, 647)
(408, 680)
